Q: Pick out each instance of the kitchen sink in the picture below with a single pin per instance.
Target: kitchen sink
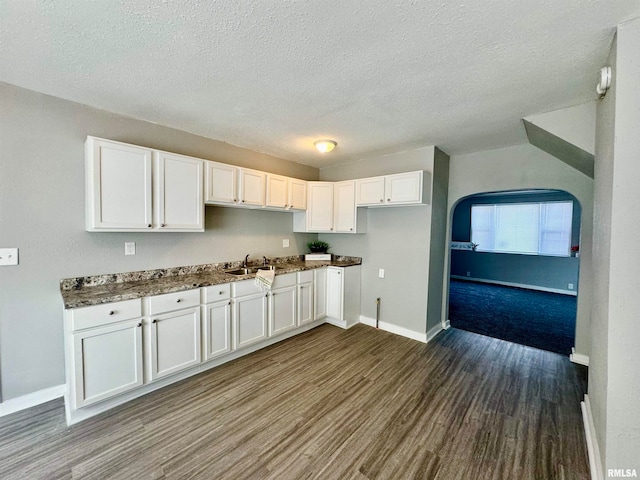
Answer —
(242, 271)
(270, 267)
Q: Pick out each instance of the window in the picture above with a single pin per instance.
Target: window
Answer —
(530, 228)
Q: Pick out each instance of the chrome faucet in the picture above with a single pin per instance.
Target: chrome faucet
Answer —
(265, 261)
(246, 261)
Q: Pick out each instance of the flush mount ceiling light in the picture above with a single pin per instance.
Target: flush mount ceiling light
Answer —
(325, 146)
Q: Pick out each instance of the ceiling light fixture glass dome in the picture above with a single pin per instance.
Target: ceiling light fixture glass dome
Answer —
(325, 146)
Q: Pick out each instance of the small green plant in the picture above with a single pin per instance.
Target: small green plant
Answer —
(474, 246)
(318, 246)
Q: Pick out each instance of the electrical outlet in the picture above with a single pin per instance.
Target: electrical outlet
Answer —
(381, 273)
(8, 256)
(570, 285)
(129, 248)
(285, 243)
(468, 274)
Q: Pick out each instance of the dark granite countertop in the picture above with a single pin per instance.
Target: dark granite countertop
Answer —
(94, 290)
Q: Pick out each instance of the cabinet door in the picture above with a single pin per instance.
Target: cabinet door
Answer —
(282, 310)
(277, 191)
(252, 186)
(404, 187)
(335, 289)
(305, 303)
(320, 207)
(107, 361)
(297, 194)
(217, 329)
(345, 207)
(118, 186)
(179, 196)
(221, 183)
(175, 342)
(320, 293)
(249, 319)
(370, 191)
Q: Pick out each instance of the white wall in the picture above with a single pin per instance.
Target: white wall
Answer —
(523, 167)
(42, 213)
(398, 239)
(614, 383)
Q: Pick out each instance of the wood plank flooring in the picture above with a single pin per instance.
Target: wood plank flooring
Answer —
(330, 404)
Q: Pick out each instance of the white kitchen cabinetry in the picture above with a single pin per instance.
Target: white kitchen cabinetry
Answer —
(252, 188)
(249, 313)
(343, 296)
(119, 193)
(305, 297)
(410, 188)
(277, 191)
(174, 333)
(331, 208)
(221, 183)
(104, 351)
(319, 293)
(283, 314)
(216, 321)
(297, 194)
(179, 199)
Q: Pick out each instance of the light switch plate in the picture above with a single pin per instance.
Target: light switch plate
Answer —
(285, 243)
(381, 273)
(129, 248)
(8, 256)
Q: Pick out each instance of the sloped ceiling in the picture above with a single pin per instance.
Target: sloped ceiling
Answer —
(273, 76)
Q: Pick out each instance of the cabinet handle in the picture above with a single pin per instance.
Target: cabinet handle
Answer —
(351, 229)
(338, 273)
(163, 225)
(155, 320)
(382, 199)
(112, 312)
(139, 325)
(331, 228)
(149, 226)
(178, 300)
(242, 201)
(388, 199)
(235, 199)
(220, 293)
(229, 302)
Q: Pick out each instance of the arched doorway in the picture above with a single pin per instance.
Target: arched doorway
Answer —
(513, 267)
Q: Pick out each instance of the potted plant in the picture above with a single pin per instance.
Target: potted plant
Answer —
(318, 246)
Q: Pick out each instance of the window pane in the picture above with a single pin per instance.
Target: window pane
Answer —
(517, 228)
(555, 228)
(482, 226)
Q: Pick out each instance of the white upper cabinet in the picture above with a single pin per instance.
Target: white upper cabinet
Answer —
(331, 208)
(370, 191)
(252, 186)
(410, 188)
(221, 184)
(297, 194)
(277, 191)
(119, 190)
(319, 214)
(118, 186)
(179, 199)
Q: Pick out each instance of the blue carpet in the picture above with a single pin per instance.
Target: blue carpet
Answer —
(529, 317)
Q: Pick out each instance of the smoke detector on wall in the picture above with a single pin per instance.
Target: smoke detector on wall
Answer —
(605, 81)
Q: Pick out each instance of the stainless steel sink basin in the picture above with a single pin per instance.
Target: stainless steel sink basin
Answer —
(242, 271)
(269, 267)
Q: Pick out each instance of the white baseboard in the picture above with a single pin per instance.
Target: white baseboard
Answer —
(579, 358)
(447, 324)
(518, 285)
(395, 329)
(595, 464)
(32, 399)
(431, 334)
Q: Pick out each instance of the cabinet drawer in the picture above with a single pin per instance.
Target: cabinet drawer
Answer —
(305, 277)
(285, 280)
(105, 314)
(174, 301)
(245, 287)
(215, 293)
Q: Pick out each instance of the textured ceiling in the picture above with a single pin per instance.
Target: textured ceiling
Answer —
(275, 75)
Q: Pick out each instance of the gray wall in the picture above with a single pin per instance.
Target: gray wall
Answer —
(533, 270)
(398, 239)
(614, 383)
(42, 213)
(524, 167)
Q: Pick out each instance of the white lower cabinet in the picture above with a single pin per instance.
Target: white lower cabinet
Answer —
(319, 293)
(216, 321)
(249, 315)
(282, 310)
(343, 296)
(107, 361)
(305, 297)
(335, 292)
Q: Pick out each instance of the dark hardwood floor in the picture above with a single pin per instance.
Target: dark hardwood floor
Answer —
(330, 404)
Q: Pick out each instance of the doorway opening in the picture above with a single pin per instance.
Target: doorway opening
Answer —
(514, 267)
